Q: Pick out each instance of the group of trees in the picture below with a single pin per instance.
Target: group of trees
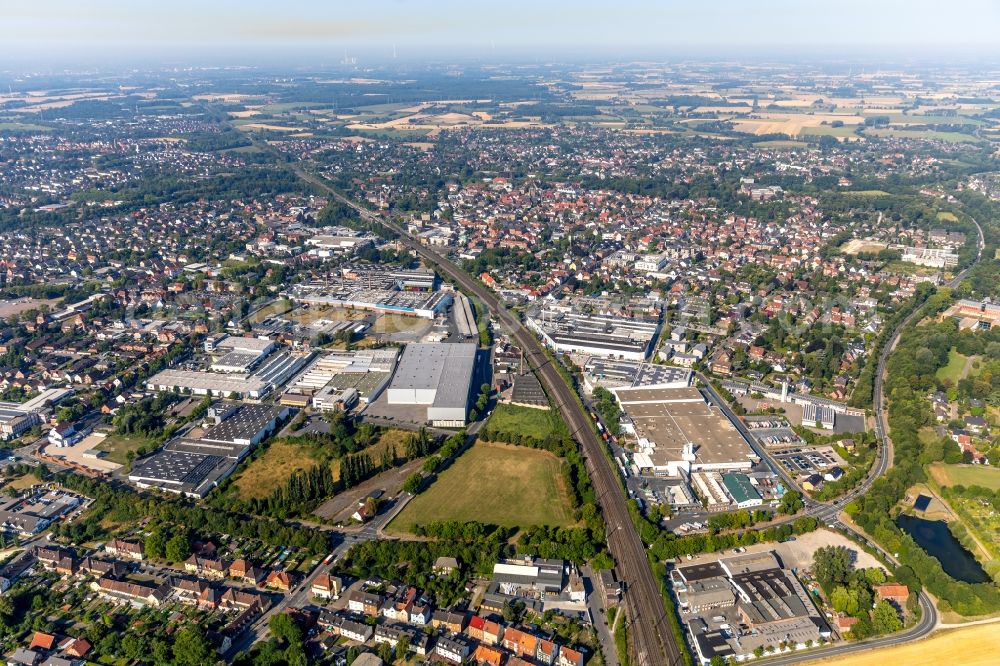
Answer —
(850, 591)
(910, 377)
(124, 506)
(737, 519)
(665, 545)
(607, 406)
(161, 544)
(864, 389)
(144, 418)
(476, 547)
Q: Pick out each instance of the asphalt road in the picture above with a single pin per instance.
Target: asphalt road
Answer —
(652, 642)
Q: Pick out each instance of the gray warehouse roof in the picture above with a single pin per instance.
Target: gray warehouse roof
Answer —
(244, 424)
(446, 369)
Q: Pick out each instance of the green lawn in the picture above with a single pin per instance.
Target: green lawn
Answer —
(953, 371)
(536, 423)
(495, 484)
(966, 475)
(118, 446)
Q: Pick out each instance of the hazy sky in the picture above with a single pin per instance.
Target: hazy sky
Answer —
(92, 29)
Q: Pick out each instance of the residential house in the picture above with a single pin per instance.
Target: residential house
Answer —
(367, 603)
(454, 648)
(453, 621)
(519, 642)
(484, 631)
(246, 572)
(126, 550)
(487, 656)
(894, 592)
(279, 580)
(325, 586)
(569, 657)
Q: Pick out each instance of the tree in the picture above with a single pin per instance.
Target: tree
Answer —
(832, 565)
(791, 502)
(156, 545)
(413, 483)
(402, 647)
(191, 648)
(885, 619)
(285, 629)
(178, 548)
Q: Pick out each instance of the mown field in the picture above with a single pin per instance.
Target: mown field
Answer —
(953, 370)
(977, 645)
(528, 421)
(494, 483)
(966, 475)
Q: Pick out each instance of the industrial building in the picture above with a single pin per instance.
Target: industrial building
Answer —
(610, 374)
(739, 604)
(17, 418)
(439, 376)
(192, 466)
(527, 391)
(209, 383)
(932, 257)
(33, 514)
(273, 372)
(611, 336)
(465, 320)
(334, 379)
(378, 290)
(182, 472)
(823, 415)
(678, 432)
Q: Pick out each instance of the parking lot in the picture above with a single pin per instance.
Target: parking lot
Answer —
(800, 460)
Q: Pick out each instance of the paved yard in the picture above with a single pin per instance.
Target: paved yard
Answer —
(76, 454)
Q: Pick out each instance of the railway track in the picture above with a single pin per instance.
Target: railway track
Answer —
(651, 639)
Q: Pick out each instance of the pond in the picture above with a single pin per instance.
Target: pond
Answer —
(935, 538)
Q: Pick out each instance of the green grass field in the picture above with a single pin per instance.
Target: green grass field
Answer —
(867, 193)
(946, 216)
(953, 371)
(496, 484)
(966, 475)
(537, 423)
(118, 446)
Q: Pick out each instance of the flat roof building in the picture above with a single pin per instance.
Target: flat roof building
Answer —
(742, 491)
(611, 336)
(182, 472)
(439, 376)
(209, 383)
(679, 432)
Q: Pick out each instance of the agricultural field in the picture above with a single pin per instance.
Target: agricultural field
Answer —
(781, 145)
(949, 137)
(966, 475)
(537, 423)
(494, 483)
(970, 646)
